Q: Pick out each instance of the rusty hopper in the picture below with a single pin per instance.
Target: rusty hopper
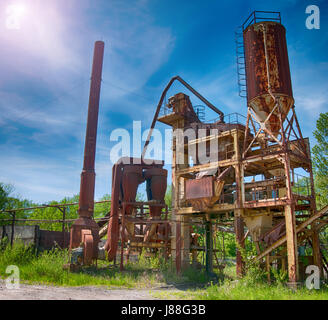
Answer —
(267, 73)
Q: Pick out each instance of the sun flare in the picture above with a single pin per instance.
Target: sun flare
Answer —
(15, 13)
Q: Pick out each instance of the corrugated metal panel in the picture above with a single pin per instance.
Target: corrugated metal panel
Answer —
(49, 239)
(199, 188)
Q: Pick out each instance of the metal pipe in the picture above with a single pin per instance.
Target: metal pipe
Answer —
(198, 95)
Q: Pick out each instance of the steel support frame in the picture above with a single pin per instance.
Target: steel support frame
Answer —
(125, 218)
(289, 201)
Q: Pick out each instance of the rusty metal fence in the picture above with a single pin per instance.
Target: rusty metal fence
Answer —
(44, 238)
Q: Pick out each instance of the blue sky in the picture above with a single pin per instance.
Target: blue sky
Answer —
(45, 70)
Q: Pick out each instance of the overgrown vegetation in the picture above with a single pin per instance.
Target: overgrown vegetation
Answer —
(320, 159)
(47, 268)
(8, 201)
(253, 286)
(240, 290)
(149, 272)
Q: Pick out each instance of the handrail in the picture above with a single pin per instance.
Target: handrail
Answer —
(60, 205)
(248, 22)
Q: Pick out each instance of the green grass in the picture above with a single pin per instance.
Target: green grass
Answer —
(251, 287)
(241, 291)
(47, 268)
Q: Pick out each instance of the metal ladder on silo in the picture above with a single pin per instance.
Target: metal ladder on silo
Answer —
(240, 59)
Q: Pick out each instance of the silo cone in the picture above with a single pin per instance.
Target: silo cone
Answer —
(156, 188)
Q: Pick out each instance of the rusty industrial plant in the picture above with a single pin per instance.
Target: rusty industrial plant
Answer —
(249, 187)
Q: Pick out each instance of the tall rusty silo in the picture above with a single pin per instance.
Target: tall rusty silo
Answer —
(267, 71)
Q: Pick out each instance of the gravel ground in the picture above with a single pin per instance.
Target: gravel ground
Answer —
(43, 292)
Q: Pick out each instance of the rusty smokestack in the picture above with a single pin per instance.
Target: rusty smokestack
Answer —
(86, 202)
(87, 187)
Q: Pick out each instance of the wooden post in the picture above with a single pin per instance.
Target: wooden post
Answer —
(283, 263)
(209, 247)
(122, 237)
(12, 228)
(267, 260)
(223, 246)
(291, 229)
(238, 213)
(166, 235)
(178, 247)
(63, 226)
(239, 230)
(185, 241)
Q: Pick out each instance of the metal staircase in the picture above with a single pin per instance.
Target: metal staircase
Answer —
(315, 218)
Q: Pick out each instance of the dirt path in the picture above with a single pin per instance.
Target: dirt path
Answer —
(42, 292)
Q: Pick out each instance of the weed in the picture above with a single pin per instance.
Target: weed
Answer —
(254, 274)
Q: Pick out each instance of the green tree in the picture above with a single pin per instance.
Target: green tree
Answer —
(302, 186)
(5, 190)
(53, 213)
(168, 197)
(320, 159)
(101, 209)
(9, 202)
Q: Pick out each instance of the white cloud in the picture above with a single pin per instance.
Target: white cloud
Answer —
(313, 104)
(39, 179)
(310, 90)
